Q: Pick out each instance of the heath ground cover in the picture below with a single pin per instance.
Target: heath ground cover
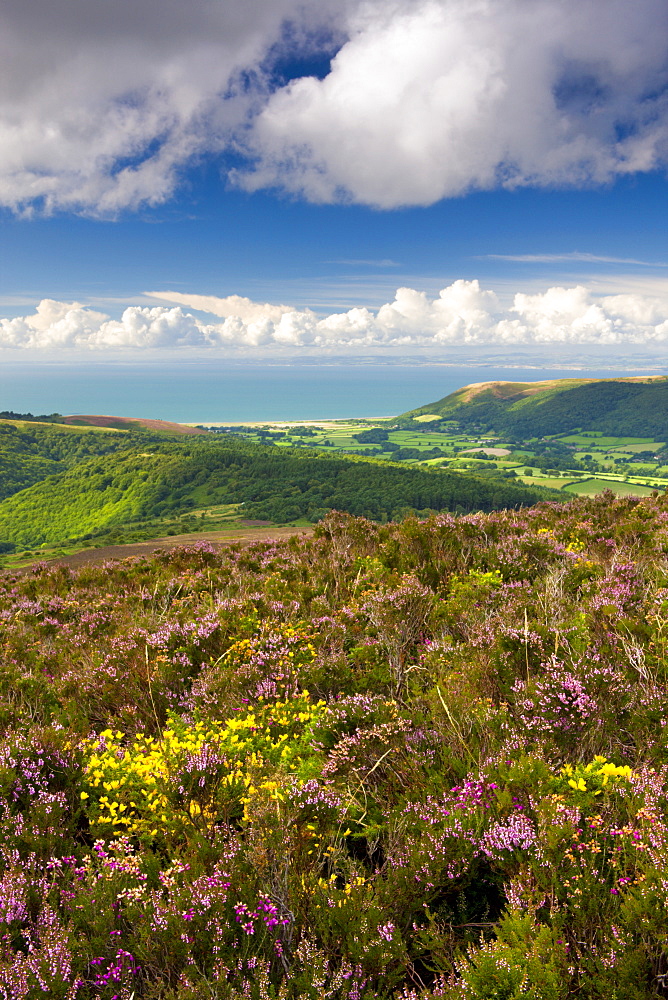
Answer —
(414, 760)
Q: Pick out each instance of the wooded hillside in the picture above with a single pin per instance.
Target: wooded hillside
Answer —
(157, 477)
(630, 406)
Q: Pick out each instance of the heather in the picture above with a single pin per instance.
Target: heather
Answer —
(406, 760)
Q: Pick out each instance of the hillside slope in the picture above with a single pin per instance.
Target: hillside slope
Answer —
(164, 478)
(625, 406)
(30, 450)
(131, 423)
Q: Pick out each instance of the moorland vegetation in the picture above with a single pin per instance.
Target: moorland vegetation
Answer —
(412, 760)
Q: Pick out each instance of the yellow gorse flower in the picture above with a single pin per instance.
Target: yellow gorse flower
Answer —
(144, 778)
(596, 775)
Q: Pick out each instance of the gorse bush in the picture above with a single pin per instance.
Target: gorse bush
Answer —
(407, 761)
(197, 775)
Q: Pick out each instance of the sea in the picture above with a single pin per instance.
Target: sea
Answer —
(214, 391)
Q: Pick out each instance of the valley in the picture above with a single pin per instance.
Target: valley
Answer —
(575, 463)
(84, 482)
(575, 435)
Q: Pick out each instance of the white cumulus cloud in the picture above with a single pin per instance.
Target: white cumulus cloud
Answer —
(104, 105)
(462, 313)
(233, 305)
(431, 98)
(70, 324)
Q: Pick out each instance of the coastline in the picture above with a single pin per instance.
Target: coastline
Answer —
(324, 422)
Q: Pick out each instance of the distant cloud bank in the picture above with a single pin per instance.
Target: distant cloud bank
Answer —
(464, 314)
(104, 106)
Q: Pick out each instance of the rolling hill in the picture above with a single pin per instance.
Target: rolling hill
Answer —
(82, 481)
(32, 450)
(624, 406)
(130, 423)
(274, 484)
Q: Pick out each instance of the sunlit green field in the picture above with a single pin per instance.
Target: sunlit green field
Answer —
(598, 462)
(589, 487)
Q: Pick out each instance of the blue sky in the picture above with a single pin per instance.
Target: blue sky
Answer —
(215, 241)
(274, 186)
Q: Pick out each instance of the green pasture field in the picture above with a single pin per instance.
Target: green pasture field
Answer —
(458, 456)
(644, 469)
(600, 456)
(409, 439)
(645, 446)
(339, 436)
(554, 482)
(589, 487)
(472, 464)
(598, 442)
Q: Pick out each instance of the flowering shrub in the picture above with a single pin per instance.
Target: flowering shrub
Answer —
(277, 656)
(406, 761)
(195, 775)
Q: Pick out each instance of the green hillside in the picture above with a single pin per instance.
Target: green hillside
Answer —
(32, 451)
(18, 471)
(158, 478)
(628, 406)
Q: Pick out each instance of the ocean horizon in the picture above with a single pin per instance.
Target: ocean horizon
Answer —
(219, 392)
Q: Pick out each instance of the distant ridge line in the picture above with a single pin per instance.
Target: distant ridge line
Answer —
(126, 423)
(631, 405)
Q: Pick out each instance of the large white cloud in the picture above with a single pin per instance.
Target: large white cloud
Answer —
(232, 305)
(463, 313)
(430, 99)
(70, 324)
(102, 105)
